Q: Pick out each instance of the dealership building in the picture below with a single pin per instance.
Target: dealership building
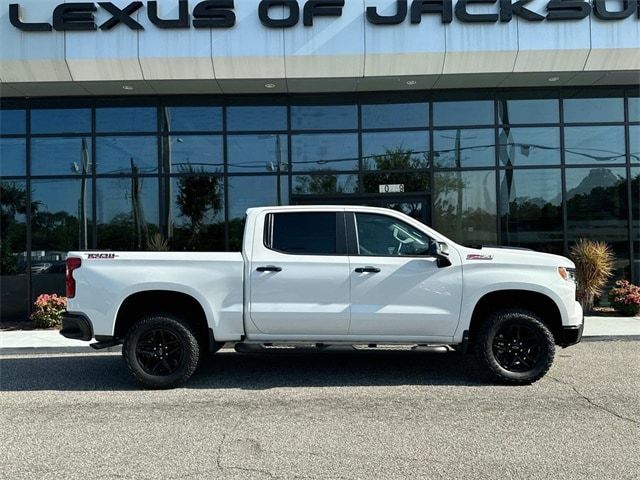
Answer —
(155, 125)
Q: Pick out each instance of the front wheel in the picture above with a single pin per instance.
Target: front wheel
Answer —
(515, 347)
(161, 351)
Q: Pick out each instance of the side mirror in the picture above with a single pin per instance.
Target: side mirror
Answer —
(440, 250)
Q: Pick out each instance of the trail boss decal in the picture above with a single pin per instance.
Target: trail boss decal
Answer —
(478, 256)
(76, 16)
(101, 256)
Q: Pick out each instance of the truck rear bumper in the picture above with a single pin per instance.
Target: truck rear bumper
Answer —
(76, 326)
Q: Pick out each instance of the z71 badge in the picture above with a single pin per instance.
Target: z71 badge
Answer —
(101, 256)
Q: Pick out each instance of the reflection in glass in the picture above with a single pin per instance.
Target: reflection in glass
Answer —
(247, 192)
(464, 206)
(324, 117)
(14, 305)
(529, 111)
(635, 222)
(479, 112)
(326, 151)
(634, 143)
(246, 119)
(395, 150)
(60, 156)
(634, 109)
(594, 145)
(67, 120)
(584, 110)
(13, 159)
(201, 151)
(197, 212)
(395, 115)
(464, 148)
(126, 119)
(529, 146)
(325, 184)
(597, 208)
(531, 209)
(191, 119)
(121, 155)
(257, 153)
(127, 212)
(12, 122)
(412, 182)
(61, 217)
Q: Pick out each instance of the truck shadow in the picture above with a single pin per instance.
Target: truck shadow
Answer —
(254, 371)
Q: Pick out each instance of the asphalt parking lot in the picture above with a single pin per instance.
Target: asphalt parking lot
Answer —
(366, 414)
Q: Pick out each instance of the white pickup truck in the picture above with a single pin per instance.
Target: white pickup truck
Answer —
(325, 275)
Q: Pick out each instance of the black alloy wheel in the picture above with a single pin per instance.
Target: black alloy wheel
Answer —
(159, 352)
(515, 346)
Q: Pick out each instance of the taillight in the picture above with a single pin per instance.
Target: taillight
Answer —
(72, 264)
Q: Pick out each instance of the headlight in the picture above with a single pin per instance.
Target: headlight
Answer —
(568, 274)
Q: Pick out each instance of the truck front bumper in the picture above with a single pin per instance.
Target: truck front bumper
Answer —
(571, 335)
(76, 326)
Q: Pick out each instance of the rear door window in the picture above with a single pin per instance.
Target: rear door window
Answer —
(307, 233)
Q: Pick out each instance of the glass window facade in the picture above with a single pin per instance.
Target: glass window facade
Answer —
(536, 169)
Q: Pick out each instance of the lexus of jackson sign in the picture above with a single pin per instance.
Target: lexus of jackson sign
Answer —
(220, 13)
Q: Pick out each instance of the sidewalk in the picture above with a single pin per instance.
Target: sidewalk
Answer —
(50, 341)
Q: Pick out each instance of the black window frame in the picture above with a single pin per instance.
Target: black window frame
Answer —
(340, 237)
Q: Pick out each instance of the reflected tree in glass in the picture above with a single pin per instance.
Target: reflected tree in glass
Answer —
(13, 203)
(198, 197)
(465, 206)
(382, 173)
(324, 183)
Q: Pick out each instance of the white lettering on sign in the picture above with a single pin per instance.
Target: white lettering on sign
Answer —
(394, 188)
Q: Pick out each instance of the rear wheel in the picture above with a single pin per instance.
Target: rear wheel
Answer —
(161, 351)
(515, 347)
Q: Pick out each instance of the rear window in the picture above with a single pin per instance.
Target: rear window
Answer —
(308, 233)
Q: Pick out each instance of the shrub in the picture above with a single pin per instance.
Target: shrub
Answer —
(625, 298)
(48, 310)
(594, 265)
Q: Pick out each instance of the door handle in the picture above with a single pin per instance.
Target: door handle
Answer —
(269, 268)
(367, 270)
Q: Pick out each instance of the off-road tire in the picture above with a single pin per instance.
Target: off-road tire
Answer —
(179, 332)
(491, 352)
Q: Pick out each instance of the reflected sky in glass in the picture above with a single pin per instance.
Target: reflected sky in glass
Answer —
(195, 152)
(60, 156)
(13, 158)
(12, 122)
(464, 148)
(63, 120)
(324, 117)
(395, 115)
(478, 112)
(257, 153)
(529, 111)
(314, 152)
(583, 110)
(594, 144)
(529, 146)
(115, 154)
